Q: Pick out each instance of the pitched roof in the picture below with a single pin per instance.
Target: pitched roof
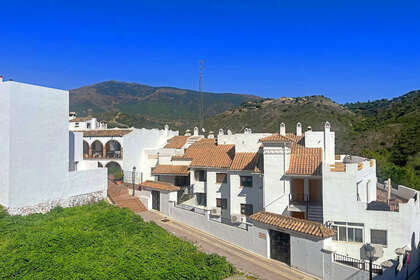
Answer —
(163, 186)
(176, 142)
(276, 137)
(207, 154)
(106, 132)
(305, 161)
(167, 169)
(79, 119)
(247, 161)
(293, 224)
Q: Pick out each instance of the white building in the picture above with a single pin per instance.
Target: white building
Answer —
(123, 148)
(43, 166)
(298, 201)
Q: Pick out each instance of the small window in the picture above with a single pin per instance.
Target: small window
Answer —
(246, 181)
(87, 125)
(348, 232)
(221, 202)
(200, 175)
(76, 124)
(221, 178)
(247, 209)
(378, 237)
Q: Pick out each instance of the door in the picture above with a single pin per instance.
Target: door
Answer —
(280, 246)
(156, 200)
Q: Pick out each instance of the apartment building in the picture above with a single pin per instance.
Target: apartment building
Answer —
(291, 192)
(131, 150)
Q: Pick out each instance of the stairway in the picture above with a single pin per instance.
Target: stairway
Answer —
(120, 196)
(315, 213)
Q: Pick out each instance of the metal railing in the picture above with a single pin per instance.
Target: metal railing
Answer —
(359, 264)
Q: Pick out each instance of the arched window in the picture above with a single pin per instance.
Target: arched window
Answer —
(97, 149)
(85, 149)
(113, 149)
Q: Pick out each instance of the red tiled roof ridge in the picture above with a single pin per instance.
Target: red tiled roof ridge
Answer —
(170, 169)
(159, 185)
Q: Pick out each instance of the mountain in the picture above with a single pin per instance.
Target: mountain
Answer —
(390, 132)
(146, 106)
(387, 130)
(266, 115)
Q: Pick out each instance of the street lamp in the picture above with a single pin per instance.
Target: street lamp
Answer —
(370, 251)
(133, 178)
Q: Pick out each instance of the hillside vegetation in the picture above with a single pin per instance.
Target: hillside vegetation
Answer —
(391, 133)
(98, 241)
(147, 106)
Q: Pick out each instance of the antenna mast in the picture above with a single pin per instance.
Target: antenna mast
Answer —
(200, 85)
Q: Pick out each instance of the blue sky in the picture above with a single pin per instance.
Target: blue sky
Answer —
(346, 50)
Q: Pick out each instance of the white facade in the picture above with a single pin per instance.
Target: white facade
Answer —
(340, 193)
(36, 149)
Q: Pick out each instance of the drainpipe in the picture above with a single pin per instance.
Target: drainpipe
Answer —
(284, 167)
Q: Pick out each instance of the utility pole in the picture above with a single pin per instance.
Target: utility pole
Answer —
(200, 86)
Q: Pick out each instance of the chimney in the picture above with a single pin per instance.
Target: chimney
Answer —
(195, 131)
(1, 79)
(221, 131)
(329, 145)
(211, 134)
(389, 191)
(309, 128)
(298, 129)
(282, 129)
(187, 132)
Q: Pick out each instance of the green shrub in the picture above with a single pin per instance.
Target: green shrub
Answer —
(98, 241)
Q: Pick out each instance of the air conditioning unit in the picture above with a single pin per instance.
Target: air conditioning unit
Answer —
(236, 219)
(216, 211)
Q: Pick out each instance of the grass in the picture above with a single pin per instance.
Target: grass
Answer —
(99, 241)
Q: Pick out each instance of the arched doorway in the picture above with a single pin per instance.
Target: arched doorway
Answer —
(97, 149)
(85, 149)
(114, 170)
(113, 149)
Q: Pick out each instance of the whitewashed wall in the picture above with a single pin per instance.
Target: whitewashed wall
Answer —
(276, 185)
(244, 142)
(39, 143)
(5, 124)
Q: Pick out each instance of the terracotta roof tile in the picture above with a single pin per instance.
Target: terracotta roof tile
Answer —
(176, 142)
(207, 154)
(106, 132)
(305, 161)
(293, 224)
(167, 169)
(163, 186)
(79, 119)
(276, 138)
(247, 161)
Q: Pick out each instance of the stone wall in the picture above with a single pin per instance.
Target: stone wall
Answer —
(69, 202)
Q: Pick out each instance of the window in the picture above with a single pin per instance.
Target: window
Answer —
(87, 125)
(221, 178)
(76, 124)
(200, 175)
(181, 181)
(246, 181)
(349, 232)
(201, 199)
(247, 209)
(221, 202)
(378, 237)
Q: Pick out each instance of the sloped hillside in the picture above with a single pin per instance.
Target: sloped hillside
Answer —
(147, 106)
(266, 115)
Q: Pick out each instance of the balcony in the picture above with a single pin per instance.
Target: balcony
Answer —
(300, 203)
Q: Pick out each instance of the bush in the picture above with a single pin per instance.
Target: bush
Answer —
(98, 241)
